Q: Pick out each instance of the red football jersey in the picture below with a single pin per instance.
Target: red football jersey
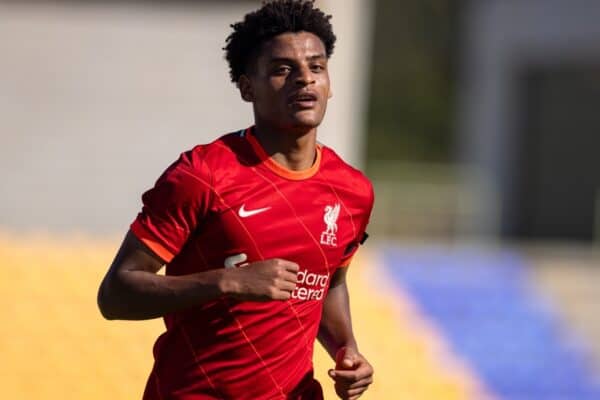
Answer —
(223, 205)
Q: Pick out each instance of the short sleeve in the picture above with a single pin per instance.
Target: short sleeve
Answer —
(176, 204)
(362, 235)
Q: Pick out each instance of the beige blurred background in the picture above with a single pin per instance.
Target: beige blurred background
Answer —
(97, 99)
(476, 120)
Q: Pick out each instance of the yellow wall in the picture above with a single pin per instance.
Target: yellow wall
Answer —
(54, 343)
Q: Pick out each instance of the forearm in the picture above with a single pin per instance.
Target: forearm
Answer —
(352, 373)
(132, 289)
(138, 294)
(335, 330)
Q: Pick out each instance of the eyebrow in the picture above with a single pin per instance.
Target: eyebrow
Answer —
(289, 60)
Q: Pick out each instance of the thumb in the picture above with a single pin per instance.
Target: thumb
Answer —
(345, 358)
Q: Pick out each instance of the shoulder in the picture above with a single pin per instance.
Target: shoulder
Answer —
(195, 168)
(225, 153)
(345, 176)
(228, 146)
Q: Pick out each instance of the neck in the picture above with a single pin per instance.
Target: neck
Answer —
(295, 150)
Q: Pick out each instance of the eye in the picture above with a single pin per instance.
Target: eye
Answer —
(317, 67)
(282, 70)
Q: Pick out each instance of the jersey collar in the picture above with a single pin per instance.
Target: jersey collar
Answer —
(278, 168)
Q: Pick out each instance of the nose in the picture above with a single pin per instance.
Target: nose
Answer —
(305, 76)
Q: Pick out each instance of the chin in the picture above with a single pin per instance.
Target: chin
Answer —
(306, 120)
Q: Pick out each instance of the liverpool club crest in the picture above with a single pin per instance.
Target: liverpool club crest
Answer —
(329, 235)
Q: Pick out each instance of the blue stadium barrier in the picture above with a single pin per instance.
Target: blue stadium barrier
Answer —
(484, 304)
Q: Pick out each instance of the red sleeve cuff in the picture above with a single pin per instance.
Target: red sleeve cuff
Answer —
(151, 242)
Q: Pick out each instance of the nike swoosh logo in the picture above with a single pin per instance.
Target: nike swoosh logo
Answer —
(248, 213)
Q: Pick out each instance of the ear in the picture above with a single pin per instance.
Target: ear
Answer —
(245, 87)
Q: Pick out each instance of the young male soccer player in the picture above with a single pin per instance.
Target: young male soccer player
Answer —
(255, 229)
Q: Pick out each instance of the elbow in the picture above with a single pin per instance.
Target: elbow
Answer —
(107, 315)
(106, 312)
(105, 304)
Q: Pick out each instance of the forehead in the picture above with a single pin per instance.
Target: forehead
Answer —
(292, 45)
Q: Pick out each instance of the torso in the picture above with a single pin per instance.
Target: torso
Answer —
(262, 349)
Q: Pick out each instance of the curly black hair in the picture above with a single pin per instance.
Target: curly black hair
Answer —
(272, 19)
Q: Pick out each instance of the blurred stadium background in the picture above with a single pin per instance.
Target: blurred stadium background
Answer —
(476, 120)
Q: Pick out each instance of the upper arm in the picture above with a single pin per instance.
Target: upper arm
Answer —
(338, 277)
(174, 207)
(361, 212)
(133, 255)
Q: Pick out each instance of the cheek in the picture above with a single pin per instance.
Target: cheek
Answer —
(326, 87)
(276, 84)
(271, 92)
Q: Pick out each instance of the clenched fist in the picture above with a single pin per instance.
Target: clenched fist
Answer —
(352, 374)
(273, 279)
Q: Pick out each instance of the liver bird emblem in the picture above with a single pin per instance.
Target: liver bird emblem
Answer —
(330, 218)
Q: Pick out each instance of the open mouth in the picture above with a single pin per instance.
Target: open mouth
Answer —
(304, 100)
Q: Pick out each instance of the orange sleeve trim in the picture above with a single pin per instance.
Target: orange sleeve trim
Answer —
(278, 168)
(146, 237)
(346, 262)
